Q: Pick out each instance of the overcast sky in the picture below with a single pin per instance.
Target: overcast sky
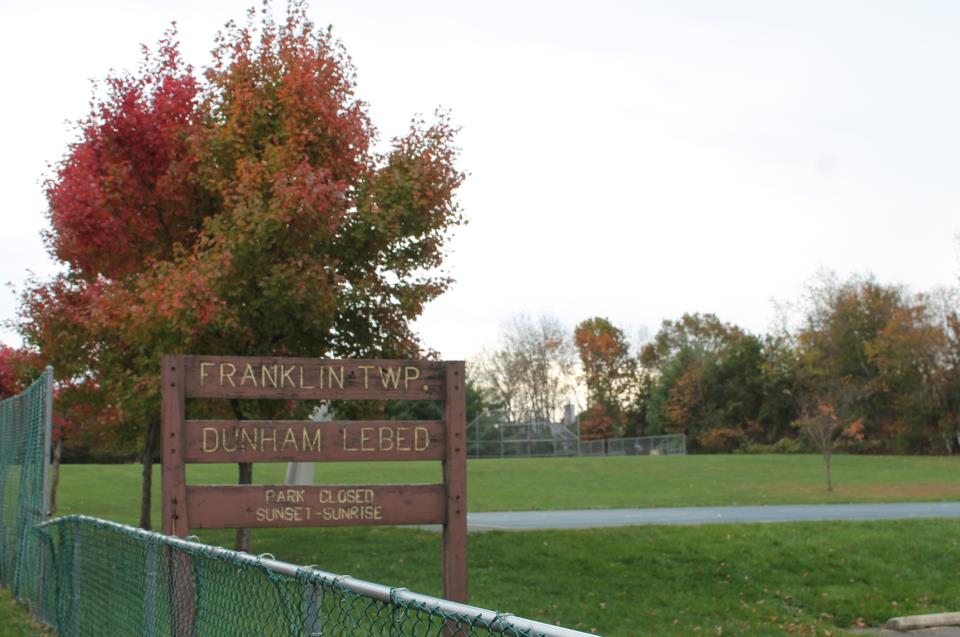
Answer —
(629, 160)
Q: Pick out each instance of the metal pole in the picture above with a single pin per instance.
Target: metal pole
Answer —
(152, 568)
(47, 437)
(578, 437)
(45, 483)
(302, 472)
(313, 603)
(75, 597)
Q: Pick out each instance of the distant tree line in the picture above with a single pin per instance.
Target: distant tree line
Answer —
(857, 365)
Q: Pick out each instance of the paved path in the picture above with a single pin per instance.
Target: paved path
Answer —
(946, 631)
(589, 518)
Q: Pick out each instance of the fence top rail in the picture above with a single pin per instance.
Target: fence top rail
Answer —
(379, 592)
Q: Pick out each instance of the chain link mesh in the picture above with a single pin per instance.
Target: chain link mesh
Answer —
(84, 576)
(24, 431)
(111, 579)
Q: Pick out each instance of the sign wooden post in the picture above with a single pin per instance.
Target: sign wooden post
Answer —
(174, 482)
(249, 506)
(173, 507)
(455, 477)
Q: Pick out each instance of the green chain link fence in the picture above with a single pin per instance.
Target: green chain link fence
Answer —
(110, 579)
(25, 422)
(84, 576)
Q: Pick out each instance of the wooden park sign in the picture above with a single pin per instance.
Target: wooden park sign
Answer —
(249, 506)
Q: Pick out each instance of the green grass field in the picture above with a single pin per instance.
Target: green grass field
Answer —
(776, 579)
(574, 483)
(15, 621)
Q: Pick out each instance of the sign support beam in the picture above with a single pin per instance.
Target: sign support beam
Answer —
(175, 519)
(455, 478)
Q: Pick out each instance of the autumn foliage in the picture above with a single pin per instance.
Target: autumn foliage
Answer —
(247, 209)
(132, 173)
(17, 369)
(862, 367)
(612, 377)
(869, 368)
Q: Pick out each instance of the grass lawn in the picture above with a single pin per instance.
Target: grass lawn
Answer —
(111, 491)
(752, 580)
(16, 621)
(755, 580)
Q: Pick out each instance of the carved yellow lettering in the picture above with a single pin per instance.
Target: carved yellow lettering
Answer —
(289, 439)
(248, 373)
(365, 438)
(244, 439)
(302, 386)
(386, 439)
(203, 372)
(410, 373)
(228, 375)
(223, 436)
(332, 376)
(269, 495)
(343, 437)
(261, 514)
(286, 374)
(390, 375)
(306, 443)
(401, 439)
(264, 438)
(421, 438)
(216, 440)
(268, 373)
(366, 375)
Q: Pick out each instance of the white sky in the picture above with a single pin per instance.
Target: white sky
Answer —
(629, 160)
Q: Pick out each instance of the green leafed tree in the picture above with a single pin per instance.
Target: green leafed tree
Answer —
(895, 350)
(246, 210)
(711, 382)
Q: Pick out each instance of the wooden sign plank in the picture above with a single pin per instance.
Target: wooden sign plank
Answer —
(312, 378)
(308, 441)
(455, 481)
(257, 506)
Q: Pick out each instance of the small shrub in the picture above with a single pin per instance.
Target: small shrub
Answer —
(784, 445)
(721, 440)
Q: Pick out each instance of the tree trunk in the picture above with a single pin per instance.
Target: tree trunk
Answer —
(244, 535)
(146, 483)
(55, 475)
(826, 459)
